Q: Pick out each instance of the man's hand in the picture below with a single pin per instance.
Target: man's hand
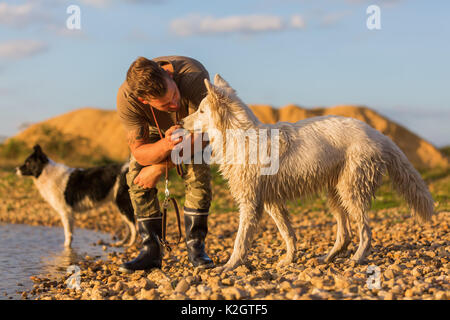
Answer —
(170, 140)
(149, 176)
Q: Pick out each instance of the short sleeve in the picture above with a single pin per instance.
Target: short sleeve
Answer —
(128, 115)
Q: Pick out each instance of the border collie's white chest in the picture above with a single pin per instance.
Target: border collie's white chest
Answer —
(52, 183)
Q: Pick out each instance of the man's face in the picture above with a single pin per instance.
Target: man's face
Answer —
(169, 102)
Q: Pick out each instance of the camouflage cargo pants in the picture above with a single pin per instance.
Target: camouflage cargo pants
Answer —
(197, 180)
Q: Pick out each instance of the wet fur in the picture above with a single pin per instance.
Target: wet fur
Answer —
(343, 156)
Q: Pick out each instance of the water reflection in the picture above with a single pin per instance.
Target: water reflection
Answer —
(58, 262)
(38, 251)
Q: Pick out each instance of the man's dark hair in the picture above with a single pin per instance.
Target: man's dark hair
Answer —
(146, 78)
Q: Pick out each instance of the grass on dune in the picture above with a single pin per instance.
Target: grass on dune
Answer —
(13, 153)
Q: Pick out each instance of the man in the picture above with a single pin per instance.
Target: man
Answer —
(169, 85)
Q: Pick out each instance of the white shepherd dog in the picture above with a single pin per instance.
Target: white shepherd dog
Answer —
(343, 156)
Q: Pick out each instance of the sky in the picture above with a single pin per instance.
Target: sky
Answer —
(313, 53)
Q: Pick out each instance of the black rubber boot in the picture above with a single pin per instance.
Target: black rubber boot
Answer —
(150, 256)
(196, 229)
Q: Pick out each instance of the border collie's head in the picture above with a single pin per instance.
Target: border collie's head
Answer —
(34, 164)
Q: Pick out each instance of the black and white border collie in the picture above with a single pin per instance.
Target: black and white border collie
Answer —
(73, 190)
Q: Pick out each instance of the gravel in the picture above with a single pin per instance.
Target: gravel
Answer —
(410, 261)
(406, 265)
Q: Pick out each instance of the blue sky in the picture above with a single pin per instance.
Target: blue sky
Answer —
(310, 53)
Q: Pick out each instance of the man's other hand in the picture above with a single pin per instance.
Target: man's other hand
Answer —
(149, 176)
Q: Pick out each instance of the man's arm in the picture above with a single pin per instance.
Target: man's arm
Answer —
(147, 153)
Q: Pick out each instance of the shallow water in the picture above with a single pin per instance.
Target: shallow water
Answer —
(36, 250)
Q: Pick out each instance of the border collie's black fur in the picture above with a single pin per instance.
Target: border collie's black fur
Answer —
(72, 190)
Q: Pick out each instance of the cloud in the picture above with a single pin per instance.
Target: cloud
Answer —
(97, 3)
(334, 18)
(17, 15)
(146, 1)
(385, 3)
(25, 15)
(297, 21)
(19, 49)
(105, 3)
(34, 15)
(195, 24)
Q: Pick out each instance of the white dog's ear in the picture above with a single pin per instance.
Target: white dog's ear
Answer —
(215, 94)
(220, 82)
(213, 89)
(208, 85)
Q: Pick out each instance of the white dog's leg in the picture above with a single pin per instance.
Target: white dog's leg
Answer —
(365, 237)
(249, 219)
(343, 233)
(67, 221)
(356, 187)
(356, 204)
(280, 215)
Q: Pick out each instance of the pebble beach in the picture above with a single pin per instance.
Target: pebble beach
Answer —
(408, 260)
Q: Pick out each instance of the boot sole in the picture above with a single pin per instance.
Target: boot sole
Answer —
(128, 271)
(205, 266)
(125, 270)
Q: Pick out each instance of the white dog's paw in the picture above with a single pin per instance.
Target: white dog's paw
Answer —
(358, 259)
(219, 269)
(284, 262)
(223, 269)
(325, 259)
(227, 267)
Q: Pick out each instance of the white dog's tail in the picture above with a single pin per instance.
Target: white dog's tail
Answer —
(409, 183)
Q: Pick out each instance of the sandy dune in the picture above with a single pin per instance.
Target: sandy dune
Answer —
(104, 133)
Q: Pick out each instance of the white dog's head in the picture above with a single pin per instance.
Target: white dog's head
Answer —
(220, 109)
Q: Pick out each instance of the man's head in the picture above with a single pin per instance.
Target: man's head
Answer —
(153, 85)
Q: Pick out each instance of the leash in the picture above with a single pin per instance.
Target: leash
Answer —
(167, 198)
